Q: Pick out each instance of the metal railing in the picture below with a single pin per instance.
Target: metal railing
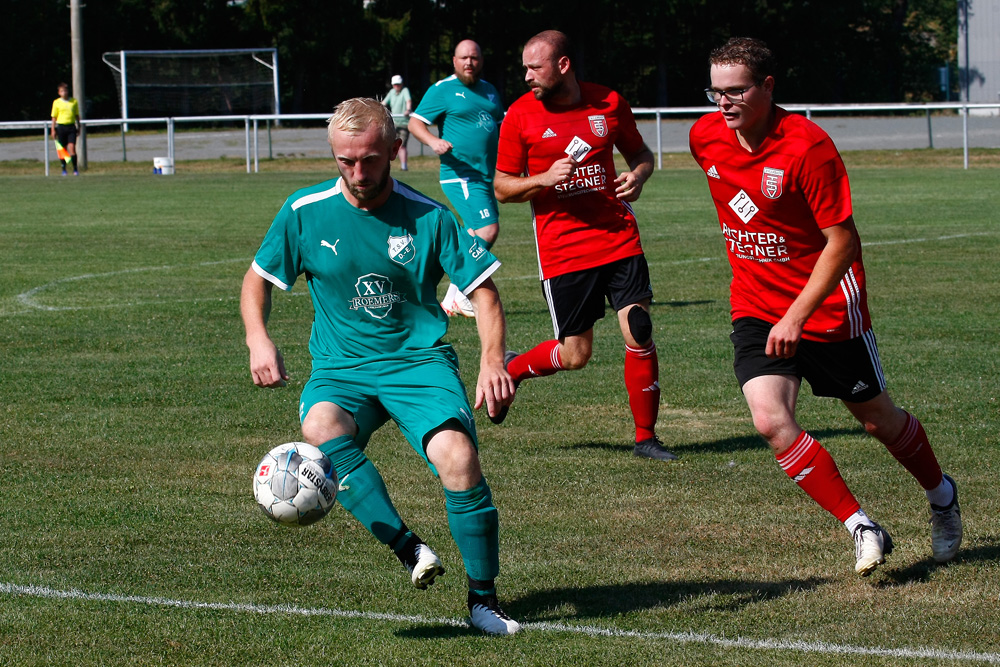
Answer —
(252, 124)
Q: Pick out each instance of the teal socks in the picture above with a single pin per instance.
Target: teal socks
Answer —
(475, 528)
(362, 491)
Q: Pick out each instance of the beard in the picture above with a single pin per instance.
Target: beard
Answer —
(547, 92)
(373, 190)
(468, 79)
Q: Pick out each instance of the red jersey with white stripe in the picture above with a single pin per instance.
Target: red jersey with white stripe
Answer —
(579, 224)
(772, 204)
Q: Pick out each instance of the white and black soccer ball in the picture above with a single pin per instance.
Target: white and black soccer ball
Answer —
(295, 484)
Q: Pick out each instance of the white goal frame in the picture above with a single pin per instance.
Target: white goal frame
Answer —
(122, 69)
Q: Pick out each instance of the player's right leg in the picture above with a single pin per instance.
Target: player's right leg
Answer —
(576, 302)
(340, 427)
(474, 524)
(771, 388)
(445, 436)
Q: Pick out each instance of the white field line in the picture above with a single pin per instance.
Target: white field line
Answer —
(29, 301)
(587, 630)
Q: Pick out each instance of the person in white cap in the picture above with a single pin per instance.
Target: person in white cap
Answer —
(400, 104)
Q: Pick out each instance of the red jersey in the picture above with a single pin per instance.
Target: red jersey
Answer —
(772, 205)
(579, 224)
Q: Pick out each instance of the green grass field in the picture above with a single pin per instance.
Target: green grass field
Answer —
(131, 430)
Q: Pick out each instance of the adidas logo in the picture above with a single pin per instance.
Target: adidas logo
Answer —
(548, 134)
(802, 475)
(653, 387)
(713, 172)
(860, 386)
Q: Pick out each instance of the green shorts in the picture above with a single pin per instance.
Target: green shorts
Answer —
(418, 395)
(474, 201)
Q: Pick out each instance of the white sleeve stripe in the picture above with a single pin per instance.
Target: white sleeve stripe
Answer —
(482, 277)
(317, 196)
(420, 118)
(405, 191)
(270, 278)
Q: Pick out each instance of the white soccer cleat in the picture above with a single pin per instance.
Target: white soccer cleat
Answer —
(871, 545)
(457, 304)
(946, 528)
(487, 615)
(427, 567)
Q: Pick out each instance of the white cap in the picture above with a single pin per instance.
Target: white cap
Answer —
(397, 80)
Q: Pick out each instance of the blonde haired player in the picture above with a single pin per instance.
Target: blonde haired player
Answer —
(373, 251)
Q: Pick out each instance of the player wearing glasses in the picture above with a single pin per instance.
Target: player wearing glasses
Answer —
(798, 296)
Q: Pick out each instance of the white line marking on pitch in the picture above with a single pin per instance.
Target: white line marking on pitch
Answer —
(588, 630)
(28, 300)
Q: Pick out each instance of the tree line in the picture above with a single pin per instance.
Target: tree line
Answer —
(654, 52)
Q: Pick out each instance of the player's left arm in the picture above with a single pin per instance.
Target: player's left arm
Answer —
(836, 258)
(630, 182)
(495, 386)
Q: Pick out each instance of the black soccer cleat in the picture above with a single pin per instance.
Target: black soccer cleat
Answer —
(652, 448)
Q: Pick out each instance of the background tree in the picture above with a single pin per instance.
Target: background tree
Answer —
(655, 53)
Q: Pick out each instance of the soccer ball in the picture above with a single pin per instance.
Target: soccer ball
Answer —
(295, 484)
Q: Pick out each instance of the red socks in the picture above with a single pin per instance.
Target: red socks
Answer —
(913, 451)
(642, 375)
(642, 372)
(539, 361)
(813, 469)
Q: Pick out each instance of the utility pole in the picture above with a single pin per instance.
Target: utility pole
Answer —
(76, 39)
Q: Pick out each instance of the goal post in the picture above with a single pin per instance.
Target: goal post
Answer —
(197, 82)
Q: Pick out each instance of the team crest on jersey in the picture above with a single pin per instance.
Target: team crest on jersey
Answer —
(401, 249)
(375, 295)
(485, 122)
(770, 182)
(598, 125)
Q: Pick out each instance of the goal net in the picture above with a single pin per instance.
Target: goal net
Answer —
(195, 83)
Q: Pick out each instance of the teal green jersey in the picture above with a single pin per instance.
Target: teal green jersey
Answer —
(468, 117)
(372, 275)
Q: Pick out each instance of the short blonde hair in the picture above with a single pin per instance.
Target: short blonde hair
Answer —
(356, 115)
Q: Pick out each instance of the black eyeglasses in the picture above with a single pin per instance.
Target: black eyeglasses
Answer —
(735, 96)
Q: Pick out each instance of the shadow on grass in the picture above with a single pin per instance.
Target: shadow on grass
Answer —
(591, 602)
(726, 445)
(986, 549)
(750, 442)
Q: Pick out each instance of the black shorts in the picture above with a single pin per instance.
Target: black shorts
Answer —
(576, 300)
(849, 370)
(66, 134)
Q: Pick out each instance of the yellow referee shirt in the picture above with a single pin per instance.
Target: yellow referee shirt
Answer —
(66, 112)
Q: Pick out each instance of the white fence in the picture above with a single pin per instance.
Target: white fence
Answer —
(657, 116)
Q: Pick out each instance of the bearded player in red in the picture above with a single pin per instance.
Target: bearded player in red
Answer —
(798, 296)
(556, 151)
